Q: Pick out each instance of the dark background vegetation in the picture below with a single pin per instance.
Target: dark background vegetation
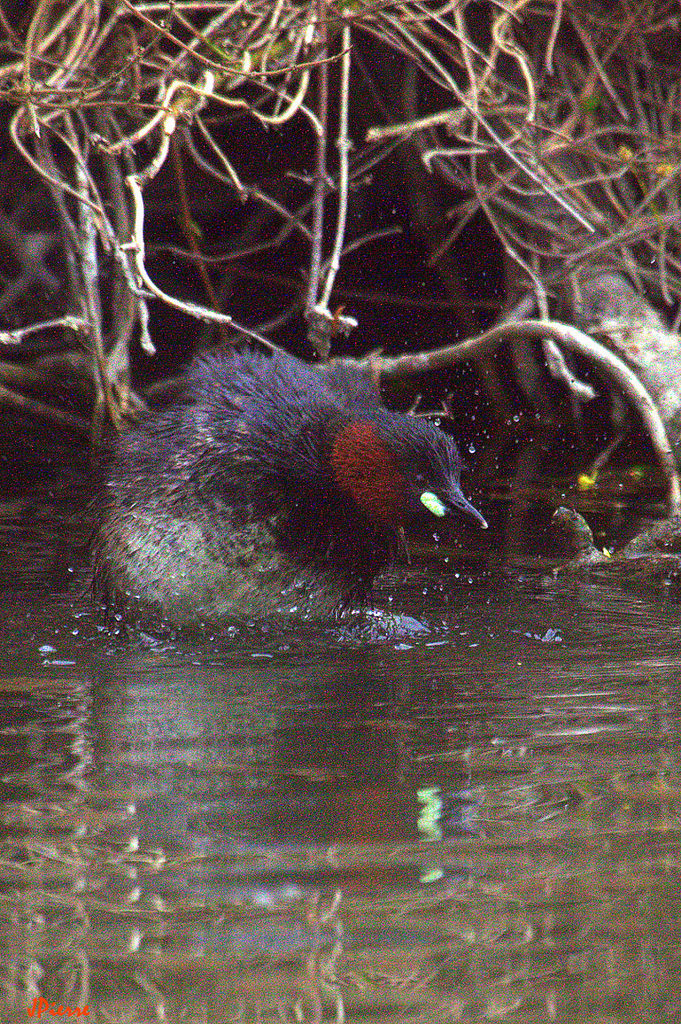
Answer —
(497, 159)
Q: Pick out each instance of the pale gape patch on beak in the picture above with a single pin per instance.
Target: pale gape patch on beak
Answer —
(433, 503)
(456, 500)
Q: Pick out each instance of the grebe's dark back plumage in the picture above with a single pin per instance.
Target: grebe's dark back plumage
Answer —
(270, 485)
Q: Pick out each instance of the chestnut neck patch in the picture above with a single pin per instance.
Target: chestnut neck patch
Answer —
(365, 468)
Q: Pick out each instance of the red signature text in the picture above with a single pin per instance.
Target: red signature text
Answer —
(41, 1006)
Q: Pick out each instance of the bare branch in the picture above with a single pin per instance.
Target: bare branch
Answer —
(572, 339)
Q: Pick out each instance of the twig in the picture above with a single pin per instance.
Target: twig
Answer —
(343, 144)
(165, 116)
(598, 66)
(553, 35)
(505, 147)
(293, 107)
(604, 457)
(37, 167)
(137, 247)
(373, 236)
(450, 118)
(320, 172)
(634, 234)
(73, 323)
(230, 173)
(510, 48)
(559, 370)
(190, 234)
(126, 306)
(576, 341)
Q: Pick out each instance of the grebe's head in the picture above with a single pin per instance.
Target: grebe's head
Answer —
(396, 467)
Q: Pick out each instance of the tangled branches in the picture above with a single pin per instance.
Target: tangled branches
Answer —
(168, 149)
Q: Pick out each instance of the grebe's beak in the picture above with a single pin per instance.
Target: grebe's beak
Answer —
(454, 499)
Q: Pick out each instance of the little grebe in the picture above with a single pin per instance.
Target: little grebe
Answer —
(271, 485)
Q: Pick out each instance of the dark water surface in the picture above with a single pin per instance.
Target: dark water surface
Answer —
(476, 821)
